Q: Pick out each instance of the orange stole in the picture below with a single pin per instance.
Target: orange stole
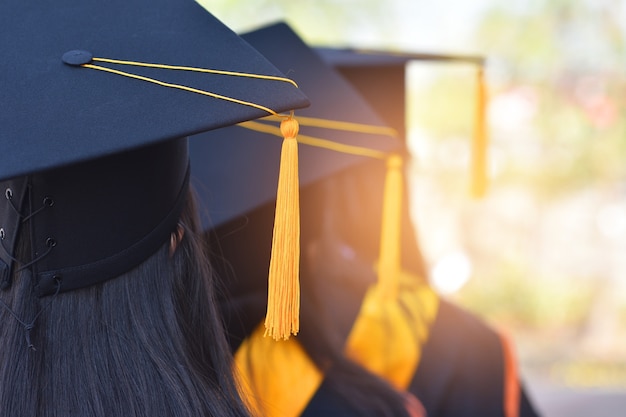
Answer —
(388, 334)
(278, 379)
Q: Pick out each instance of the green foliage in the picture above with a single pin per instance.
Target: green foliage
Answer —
(570, 57)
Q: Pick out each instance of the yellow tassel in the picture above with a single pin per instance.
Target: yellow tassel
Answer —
(389, 262)
(283, 298)
(479, 151)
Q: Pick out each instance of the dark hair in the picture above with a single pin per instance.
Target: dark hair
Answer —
(148, 343)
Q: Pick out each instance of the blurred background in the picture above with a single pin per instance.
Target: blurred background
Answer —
(543, 255)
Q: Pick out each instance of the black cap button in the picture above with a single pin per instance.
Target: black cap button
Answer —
(77, 57)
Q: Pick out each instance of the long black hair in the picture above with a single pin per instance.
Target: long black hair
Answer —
(147, 343)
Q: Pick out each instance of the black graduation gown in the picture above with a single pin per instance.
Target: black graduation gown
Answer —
(461, 372)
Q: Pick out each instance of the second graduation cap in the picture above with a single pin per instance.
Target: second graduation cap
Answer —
(338, 113)
(380, 76)
(97, 99)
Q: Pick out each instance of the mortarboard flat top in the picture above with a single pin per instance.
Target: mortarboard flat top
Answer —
(52, 114)
(348, 57)
(252, 158)
(97, 161)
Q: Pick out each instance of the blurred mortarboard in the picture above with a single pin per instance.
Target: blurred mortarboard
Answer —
(380, 76)
(251, 157)
(338, 115)
(92, 160)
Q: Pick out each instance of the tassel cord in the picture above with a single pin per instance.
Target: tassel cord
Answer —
(389, 262)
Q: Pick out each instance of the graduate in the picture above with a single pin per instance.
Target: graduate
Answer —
(466, 367)
(103, 281)
(308, 374)
(396, 327)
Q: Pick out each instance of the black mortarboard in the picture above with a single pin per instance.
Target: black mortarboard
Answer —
(380, 76)
(92, 160)
(251, 157)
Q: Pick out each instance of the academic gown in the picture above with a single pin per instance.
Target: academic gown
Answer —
(461, 372)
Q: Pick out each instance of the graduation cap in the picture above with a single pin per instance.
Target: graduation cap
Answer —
(380, 77)
(337, 131)
(98, 98)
